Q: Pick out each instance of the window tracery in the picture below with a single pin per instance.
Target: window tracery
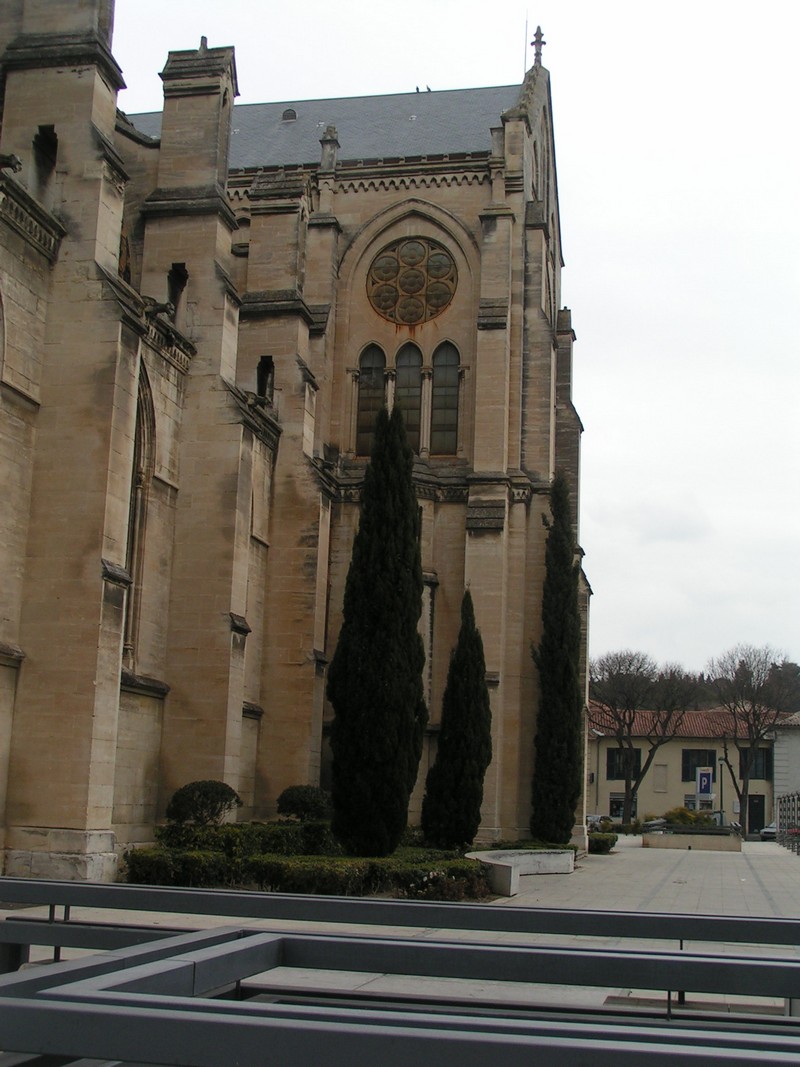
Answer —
(412, 281)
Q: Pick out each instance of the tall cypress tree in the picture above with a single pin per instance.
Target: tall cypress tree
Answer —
(451, 810)
(375, 676)
(558, 765)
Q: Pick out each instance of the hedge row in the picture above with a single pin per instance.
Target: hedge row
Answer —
(439, 879)
(239, 840)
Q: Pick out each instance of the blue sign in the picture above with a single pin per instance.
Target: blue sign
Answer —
(705, 776)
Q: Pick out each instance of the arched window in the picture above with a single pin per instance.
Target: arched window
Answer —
(408, 391)
(444, 401)
(141, 477)
(370, 396)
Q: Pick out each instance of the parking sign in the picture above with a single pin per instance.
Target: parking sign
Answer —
(705, 778)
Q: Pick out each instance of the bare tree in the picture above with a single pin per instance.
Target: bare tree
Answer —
(634, 700)
(754, 686)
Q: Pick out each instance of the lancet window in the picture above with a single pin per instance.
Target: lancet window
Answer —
(371, 395)
(427, 391)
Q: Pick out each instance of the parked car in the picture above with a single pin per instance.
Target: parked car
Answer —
(768, 833)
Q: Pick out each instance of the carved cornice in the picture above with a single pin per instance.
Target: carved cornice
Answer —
(493, 315)
(197, 71)
(189, 200)
(159, 332)
(256, 414)
(30, 220)
(35, 51)
(169, 344)
(141, 683)
(272, 302)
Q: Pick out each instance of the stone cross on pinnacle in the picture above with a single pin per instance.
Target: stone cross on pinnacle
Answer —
(537, 42)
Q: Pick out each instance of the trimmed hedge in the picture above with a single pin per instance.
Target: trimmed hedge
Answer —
(601, 844)
(419, 876)
(239, 840)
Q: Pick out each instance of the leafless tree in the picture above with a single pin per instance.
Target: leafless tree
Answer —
(634, 700)
(754, 686)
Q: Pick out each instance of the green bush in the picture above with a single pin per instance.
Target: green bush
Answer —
(238, 840)
(601, 844)
(305, 802)
(202, 803)
(422, 875)
(684, 817)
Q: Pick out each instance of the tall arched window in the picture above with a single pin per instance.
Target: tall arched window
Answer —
(141, 477)
(408, 391)
(370, 396)
(444, 401)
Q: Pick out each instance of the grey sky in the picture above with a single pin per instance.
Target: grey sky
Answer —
(678, 167)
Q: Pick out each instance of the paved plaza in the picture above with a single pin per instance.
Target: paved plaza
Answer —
(761, 881)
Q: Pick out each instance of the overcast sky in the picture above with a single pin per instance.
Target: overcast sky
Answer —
(678, 164)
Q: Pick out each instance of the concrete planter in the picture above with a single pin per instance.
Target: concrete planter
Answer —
(706, 843)
(507, 864)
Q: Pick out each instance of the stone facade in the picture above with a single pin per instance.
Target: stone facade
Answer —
(187, 327)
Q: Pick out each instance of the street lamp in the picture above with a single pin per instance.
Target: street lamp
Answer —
(721, 793)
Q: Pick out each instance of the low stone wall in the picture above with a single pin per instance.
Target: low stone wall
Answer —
(507, 864)
(702, 842)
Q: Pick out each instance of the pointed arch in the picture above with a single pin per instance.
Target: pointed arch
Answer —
(371, 395)
(408, 391)
(444, 400)
(141, 478)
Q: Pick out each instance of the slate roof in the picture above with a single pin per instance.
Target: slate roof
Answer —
(368, 127)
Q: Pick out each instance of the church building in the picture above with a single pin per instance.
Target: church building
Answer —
(201, 312)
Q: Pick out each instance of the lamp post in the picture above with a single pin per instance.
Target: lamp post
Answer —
(721, 793)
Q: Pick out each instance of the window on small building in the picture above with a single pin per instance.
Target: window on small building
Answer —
(616, 805)
(371, 396)
(617, 759)
(408, 391)
(289, 115)
(762, 765)
(693, 758)
(444, 402)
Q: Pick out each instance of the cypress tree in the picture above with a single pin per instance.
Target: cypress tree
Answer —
(558, 764)
(451, 810)
(375, 676)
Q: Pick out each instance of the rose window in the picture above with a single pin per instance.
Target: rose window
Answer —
(411, 281)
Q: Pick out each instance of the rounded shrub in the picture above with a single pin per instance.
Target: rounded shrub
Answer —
(304, 802)
(203, 803)
(601, 844)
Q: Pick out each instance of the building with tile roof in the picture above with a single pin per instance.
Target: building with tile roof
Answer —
(701, 739)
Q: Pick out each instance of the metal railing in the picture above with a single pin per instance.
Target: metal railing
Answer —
(157, 999)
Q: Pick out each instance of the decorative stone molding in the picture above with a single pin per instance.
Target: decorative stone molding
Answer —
(239, 624)
(115, 573)
(30, 220)
(35, 51)
(10, 655)
(256, 415)
(189, 200)
(141, 683)
(486, 515)
(271, 302)
(493, 315)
